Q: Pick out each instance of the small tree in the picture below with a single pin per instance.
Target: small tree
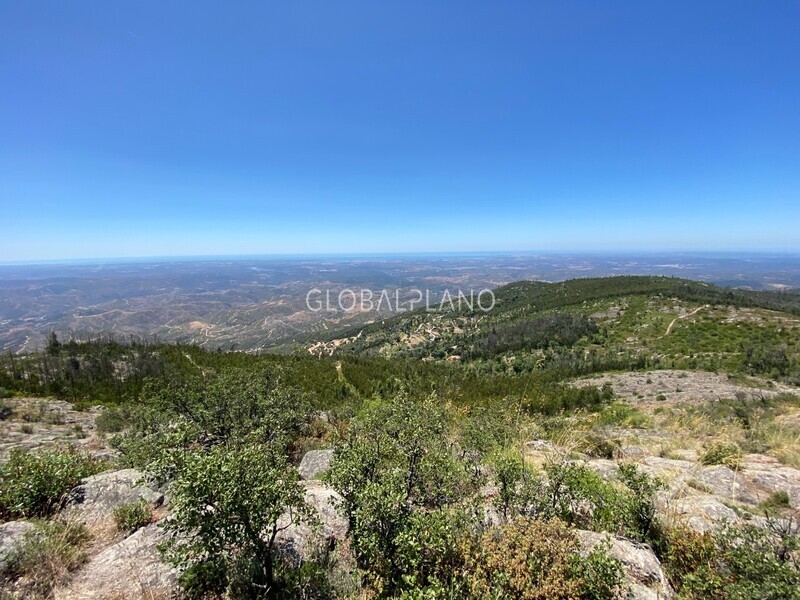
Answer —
(228, 506)
(399, 476)
(53, 345)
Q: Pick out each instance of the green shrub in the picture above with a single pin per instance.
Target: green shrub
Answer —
(777, 501)
(112, 420)
(133, 516)
(641, 505)
(34, 484)
(684, 551)
(579, 496)
(397, 471)
(722, 453)
(738, 563)
(177, 416)
(597, 445)
(226, 503)
(46, 556)
(517, 484)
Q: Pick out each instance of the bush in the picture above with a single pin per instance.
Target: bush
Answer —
(740, 563)
(684, 551)
(518, 484)
(399, 475)
(112, 420)
(777, 501)
(35, 484)
(133, 516)
(536, 560)
(226, 503)
(722, 453)
(46, 556)
(581, 497)
(234, 406)
(737, 563)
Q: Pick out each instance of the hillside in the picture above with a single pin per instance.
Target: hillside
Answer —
(668, 321)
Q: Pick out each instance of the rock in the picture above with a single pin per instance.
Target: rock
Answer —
(97, 496)
(700, 513)
(670, 465)
(540, 445)
(314, 463)
(604, 467)
(764, 475)
(130, 569)
(11, 534)
(644, 578)
(298, 539)
(724, 482)
(631, 452)
(685, 454)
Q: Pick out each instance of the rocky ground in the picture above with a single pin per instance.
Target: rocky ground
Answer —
(661, 432)
(38, 423)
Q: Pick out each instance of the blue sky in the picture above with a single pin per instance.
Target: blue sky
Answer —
(180, 128)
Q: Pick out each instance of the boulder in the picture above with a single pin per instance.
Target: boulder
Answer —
(315, 463)
(11, 534)
(631, 452)
(298, 539)
(95, 499)
(130, 569)
(765, 475)
(724, 482)
(644, 578)
(700, 513)
(604, 467)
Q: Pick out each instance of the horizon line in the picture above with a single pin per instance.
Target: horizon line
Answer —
(400, 254)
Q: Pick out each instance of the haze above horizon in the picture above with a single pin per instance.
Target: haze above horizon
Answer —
(150, 129)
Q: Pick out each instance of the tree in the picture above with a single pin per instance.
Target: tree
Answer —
(228, 506)
(53, 345)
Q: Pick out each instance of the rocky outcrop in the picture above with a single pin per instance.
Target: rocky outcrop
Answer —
(95, 499)
(297, 540)
(11, 535)
(315, 463)
(701, 513)
(644, 578)
(130, 569)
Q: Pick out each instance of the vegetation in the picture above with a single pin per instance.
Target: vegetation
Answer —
(46, 557)
(35, 484)
(443, 497)
(133, 516)
(537, 560)
(746, 562)
(226, 509)
(722, 453)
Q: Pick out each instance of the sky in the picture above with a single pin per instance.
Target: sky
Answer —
(135, 129)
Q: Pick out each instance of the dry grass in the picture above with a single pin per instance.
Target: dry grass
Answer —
(47, 557)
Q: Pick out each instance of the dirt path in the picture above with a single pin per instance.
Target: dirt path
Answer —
(676, 319)
(199, 368)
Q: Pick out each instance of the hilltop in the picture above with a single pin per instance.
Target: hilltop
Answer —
(663, 321)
